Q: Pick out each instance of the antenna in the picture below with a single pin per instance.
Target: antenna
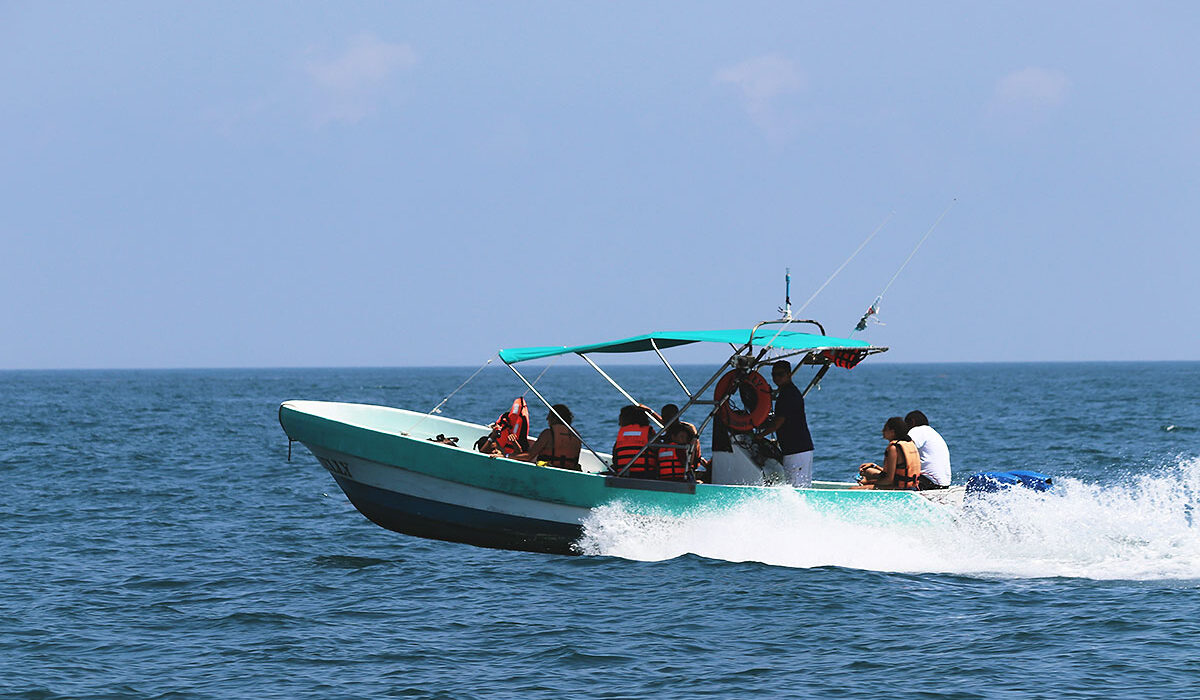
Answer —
(785, 311)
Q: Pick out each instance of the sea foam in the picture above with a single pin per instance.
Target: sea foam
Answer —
(1137, 528)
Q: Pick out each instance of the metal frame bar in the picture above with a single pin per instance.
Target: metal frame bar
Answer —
(556, 413)
(754, 365)
(816, 378)
(618, 387)
(694, 398)
(691, 401)
(785, 322)
(670, 368)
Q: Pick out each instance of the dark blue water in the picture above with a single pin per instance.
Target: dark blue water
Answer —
(157, 543)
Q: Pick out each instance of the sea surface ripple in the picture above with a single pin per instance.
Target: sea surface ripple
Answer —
(159, 544)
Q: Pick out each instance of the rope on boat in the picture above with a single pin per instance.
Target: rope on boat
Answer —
(541, 374)
(438, 408)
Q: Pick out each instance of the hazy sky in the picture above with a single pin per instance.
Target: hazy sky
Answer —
(281, 184)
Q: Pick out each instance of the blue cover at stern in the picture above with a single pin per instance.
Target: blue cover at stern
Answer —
(991, 482)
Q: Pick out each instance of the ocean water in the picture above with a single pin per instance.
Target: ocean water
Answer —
(157, 542)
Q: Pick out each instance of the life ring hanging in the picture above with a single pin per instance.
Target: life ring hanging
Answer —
(741, 421)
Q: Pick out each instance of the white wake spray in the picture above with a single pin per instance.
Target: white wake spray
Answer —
(1138, 529)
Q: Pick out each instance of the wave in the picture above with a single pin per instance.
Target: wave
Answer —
(1138, 528)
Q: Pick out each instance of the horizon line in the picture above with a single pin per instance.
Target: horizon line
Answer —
(539, 364)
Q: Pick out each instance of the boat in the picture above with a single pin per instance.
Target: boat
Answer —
(396, 467)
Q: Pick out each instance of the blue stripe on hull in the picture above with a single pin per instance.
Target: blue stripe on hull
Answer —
(442, 521)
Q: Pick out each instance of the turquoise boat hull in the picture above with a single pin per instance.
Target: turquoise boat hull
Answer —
(384, 461)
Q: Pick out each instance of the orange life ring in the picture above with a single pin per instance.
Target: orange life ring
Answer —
(740, 421)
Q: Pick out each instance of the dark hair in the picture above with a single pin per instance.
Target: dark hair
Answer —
(896, 425)
(682, 427)
(915, 418)
(669, 411)
(633, 415)
(781, 363)
(562, 410)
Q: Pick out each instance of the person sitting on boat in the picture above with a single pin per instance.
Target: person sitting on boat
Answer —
(633, 435)
(901, 462)
(673, 462)
(935, 456)
(790, 426)
(510, 432)
(557, 446)
(669, 411)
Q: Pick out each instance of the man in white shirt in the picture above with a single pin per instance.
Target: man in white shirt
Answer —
(935, 456)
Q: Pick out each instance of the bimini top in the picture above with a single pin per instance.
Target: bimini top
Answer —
(785, 340)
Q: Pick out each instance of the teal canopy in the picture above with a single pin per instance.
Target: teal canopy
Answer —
(786, 340)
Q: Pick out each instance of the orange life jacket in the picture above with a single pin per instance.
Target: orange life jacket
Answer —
(908, 466)
(630, 440)
(562, 456)
(671, 465)
(515, 423)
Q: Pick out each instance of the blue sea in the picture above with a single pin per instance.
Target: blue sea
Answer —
(158, 543)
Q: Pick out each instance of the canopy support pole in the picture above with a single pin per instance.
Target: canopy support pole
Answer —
(618, 387)
(816, 379)
(549, 406)
(670, 368)
(691, 401)
(717, 405)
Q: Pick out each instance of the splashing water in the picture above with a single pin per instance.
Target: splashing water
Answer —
(1137, 529)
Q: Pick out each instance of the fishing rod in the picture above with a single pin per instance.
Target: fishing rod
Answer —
(847, 262)
(873, 309)
(786, 310)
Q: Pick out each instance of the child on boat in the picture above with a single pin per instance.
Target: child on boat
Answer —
(681, 456)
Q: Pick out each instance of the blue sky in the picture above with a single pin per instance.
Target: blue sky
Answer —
(265, 184)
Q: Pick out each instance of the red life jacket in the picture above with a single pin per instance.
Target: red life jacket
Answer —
(908, 466)
(630, 440)
(515, 423)
(671, 465)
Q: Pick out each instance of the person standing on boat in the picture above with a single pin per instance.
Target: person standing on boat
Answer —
(935, 456)
(790, 426)
(557, 446)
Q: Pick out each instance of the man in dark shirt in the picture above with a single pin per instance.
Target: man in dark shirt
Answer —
(791, 427)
